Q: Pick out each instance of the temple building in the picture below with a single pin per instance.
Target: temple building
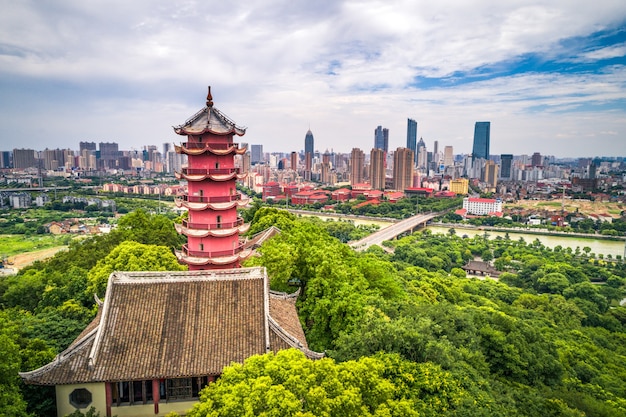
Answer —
(159, 337)
(213, 225)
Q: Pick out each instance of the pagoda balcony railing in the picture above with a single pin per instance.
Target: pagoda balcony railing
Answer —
(213, 199)
(209, 145)
(212, 226)
(210, 171)
(213, 254)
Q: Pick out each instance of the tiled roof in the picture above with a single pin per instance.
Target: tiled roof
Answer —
(176, 324)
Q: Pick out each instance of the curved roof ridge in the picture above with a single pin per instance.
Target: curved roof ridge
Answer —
(61, 357)
(285, 296)
(291, 340)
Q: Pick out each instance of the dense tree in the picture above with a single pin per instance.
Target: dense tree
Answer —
(131, 256)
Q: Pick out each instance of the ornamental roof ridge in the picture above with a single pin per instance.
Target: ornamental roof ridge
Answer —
(292, 341)
(152, 277)
(61, 357)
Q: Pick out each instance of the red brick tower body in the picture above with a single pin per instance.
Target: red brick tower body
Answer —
(213, 226)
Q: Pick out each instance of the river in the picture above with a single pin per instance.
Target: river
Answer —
(598, 246)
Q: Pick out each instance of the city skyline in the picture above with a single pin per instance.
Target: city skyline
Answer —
(550, 76)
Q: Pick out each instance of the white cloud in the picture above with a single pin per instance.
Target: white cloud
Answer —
(271, 63)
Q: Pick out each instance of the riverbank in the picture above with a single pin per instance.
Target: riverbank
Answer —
(531, 231)
(603, 247)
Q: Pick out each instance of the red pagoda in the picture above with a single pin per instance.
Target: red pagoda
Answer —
(213, 226)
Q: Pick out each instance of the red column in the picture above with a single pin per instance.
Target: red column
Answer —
(156, 395)
(109, 397)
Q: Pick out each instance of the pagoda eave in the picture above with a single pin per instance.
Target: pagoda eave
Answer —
(222, 260)
(202, 177)
(204, 232)
(182, 149)
(214, 206)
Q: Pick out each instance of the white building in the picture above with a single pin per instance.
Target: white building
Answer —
(482, 206)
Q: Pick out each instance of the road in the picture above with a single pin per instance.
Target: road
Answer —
(392, 231)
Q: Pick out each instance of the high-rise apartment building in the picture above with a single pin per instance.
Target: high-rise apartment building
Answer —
(536, 159)
(109, 153)
(482, 133)
(357, 163)
(403, 162)
(381, 138)
(506, 160)
(490, 174)
(89, 146)
(411, 136)
(377, 169)
(24, 158)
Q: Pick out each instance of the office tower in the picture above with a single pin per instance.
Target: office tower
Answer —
(24, 158)
(411, 136)
(357, 162)
(309, 150)
(6, 159)
(536, 160)
(403, 169)
(435, 147)
(506, 160)
(256, 154)
(422, 154)
(490, 174)
(381, 138)
(448, 156)
(89, 146)
(294, 161)
(377, 169)
(481, 140)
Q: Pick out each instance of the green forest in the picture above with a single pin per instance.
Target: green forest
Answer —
(405, 332)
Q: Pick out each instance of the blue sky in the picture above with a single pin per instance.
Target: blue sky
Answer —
(549, 75)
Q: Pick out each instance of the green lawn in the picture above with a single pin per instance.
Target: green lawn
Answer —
(14, 244)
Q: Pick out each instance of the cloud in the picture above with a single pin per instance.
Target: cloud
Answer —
(277, 66)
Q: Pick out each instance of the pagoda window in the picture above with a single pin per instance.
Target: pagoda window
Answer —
(201, 246)
(217, 165)
(201, 193)
(219, 222)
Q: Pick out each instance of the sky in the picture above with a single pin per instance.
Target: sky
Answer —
(549, 75)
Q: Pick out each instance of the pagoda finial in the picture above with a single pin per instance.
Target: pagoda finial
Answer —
(209, 98)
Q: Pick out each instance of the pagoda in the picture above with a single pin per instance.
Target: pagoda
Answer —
(213, 225)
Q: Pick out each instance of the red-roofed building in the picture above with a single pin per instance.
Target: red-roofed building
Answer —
(271, 190)
(342, 194)
(427, 192)
(373, 195)
(394, 196)
(309, 197)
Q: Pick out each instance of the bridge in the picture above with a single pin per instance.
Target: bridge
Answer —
(392, 231)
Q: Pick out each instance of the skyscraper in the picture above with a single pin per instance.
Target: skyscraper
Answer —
(411, 136)
(448, 156)
(294, 161)
(357, 161)
(256, 154)
(422, 154)
(402, 169)
(481, 140)
(505, 165)
(308, 154)
(381, 138)
(377, 169)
